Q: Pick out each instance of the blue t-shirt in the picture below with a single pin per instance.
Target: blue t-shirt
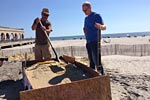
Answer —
(89, 25)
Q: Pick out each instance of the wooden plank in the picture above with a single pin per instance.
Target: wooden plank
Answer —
(80, 65)
(86, 69)
(96, 88)
(69, 59)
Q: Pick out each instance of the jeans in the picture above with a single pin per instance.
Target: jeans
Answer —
(92, 48)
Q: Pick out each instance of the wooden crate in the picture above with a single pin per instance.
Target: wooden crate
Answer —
(96, 87)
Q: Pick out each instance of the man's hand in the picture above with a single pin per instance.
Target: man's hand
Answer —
(99, 26)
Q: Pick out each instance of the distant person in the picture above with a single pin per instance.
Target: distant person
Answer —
(42, 49)
(106, 41)
(92, 23)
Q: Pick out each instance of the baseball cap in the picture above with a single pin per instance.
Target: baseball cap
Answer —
(45, 11)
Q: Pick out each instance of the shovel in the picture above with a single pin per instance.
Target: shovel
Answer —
(99, 64)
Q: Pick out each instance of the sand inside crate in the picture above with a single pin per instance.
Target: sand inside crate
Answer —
(54, 73)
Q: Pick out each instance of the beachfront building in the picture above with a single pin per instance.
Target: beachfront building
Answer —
(11, 34)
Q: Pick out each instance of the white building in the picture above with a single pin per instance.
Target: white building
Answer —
(7, 33)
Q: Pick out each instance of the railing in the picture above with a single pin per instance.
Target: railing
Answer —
(114, 49)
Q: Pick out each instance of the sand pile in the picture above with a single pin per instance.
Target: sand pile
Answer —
(21, 57)
(53, 73)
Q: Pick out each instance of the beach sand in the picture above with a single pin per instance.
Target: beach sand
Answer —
(104, 41)
(130, 75)
(53, 73)
(127, 40)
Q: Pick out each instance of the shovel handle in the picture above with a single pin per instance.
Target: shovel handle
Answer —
(50, 42)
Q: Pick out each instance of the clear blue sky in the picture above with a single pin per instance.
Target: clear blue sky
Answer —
(67, 17)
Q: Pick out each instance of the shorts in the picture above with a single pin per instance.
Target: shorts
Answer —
(42, 52)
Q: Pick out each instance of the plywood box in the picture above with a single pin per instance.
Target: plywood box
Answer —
(59, 81)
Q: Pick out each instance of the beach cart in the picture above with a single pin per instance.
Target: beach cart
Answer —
(72, 80)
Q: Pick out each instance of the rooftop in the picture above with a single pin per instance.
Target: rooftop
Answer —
(11, 28)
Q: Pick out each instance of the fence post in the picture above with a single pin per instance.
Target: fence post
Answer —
(141, 50)
(115, 49)
(71, 51)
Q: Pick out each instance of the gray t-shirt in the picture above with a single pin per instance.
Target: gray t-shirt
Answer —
(41, 38)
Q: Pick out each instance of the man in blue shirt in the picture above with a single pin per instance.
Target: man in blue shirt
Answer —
(93, 22)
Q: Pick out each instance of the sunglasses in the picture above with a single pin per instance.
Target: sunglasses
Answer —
(85, 10)
(45, 14)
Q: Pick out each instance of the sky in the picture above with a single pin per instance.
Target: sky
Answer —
(67, 18)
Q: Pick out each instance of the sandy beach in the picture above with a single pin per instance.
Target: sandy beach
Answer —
(130, 75)
(104, 41)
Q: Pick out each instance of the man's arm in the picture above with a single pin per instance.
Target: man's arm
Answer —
(34, 26)
(35, 23)
(100, 26)
(84, 30)
(49, 29)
